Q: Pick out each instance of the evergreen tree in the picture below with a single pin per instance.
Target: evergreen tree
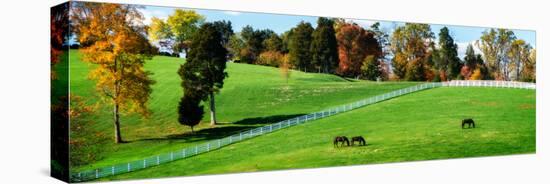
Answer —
(447, 61)
(300, 44)
(204, 71)
(324, 50)
(190, 112)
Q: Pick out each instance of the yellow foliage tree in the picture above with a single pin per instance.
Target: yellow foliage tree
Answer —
(476, 75)
(285, 67)
(113, 38)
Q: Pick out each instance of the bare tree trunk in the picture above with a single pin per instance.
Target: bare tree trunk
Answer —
(518, 63)
(118, 137)
(212, 110)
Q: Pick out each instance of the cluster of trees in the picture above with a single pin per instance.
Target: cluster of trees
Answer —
(334, 46)
(418, 57)
(344, 48)
(506, 57)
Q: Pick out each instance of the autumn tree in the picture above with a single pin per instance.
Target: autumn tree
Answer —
(183, 25)
(519, 55)
(300, 44)
(159, 31)
(447, 61)
(411, 46)
(115, 42)
(324, 51)
(285, 67)
(204, 71)
(495, 45)
(354, 44)
(270, 58)
(528, 72)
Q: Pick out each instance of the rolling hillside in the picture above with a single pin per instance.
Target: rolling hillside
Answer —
(252, 96)
(420, 126)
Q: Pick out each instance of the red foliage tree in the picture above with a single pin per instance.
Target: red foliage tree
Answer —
(354, 44)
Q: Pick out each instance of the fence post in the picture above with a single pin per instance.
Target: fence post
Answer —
(144, 163)
(96, 173)
(196, 149)
(158, 159)
(129, 168)
(171, 156)
(208, 146)
(113, 170)
(230, 139)
(183, 152)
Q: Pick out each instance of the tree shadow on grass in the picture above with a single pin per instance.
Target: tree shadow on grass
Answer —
(265, 120)
(222, 130)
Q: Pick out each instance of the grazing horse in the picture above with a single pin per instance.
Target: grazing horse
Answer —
(342, 139)
(469, 122)
(359, 139)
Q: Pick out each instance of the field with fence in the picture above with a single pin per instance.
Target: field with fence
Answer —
(253, 96)
(414, 122)
(423, 125)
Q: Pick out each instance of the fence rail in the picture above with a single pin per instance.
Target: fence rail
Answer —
(244, 135)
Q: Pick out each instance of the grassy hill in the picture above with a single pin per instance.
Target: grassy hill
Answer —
(252, 95)
(420, 126)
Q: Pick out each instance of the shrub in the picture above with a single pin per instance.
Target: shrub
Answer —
(270, 58)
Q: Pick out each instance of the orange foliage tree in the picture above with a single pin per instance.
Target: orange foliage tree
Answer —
(354, 44)
(113, 38)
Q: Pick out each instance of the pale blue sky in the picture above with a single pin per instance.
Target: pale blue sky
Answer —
(463, 35)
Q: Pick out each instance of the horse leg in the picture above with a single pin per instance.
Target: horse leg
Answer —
(474, 124)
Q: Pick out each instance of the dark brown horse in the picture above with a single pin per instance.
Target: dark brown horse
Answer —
(342, 139)
(359, 139)
(470, 122)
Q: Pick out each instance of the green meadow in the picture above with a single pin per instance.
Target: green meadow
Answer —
(420, 126)
(252, 96)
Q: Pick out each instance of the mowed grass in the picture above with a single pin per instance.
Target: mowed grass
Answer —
(252, 95)
(420, 126)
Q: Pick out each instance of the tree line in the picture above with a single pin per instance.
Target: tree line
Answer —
(344, 48)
